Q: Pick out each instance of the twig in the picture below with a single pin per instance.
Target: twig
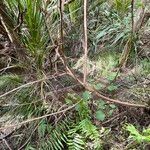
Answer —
(85, 43)
(6, 29)
(38, 118)
(24, 104)
(6, 143)
(113, 118)
(61, 9)
(28, 84)
(8, 67)
(26, 142)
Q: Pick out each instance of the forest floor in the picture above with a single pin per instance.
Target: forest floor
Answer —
(131, 86)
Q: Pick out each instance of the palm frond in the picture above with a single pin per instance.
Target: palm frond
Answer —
(9, 80)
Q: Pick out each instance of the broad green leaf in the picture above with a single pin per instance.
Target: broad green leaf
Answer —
(100, 115)
(86, 95)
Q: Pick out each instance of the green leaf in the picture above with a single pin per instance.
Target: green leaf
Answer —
(111, 76)
(68, 101)
(110, 112)
(102, 33)
(98, 86)
(112, 106)
(42, 129)
(146, 131)
(100, 115)
(118, 37)
(101, 104)
(86, 95)
(112, 88)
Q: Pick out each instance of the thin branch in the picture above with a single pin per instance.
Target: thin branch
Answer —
(113, 118)
(6, 143)
(85, 43)
(26, 142)
(38, 118)
(8, 67)
(6, 29)
(28, 84)
(61, 49)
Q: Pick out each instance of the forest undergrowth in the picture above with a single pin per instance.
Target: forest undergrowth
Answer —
(74, 75)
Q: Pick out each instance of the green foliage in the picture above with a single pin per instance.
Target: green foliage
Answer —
(86, 95)
(136, 135)
(107, 61)
(112, 87)
(84, 130)
(36, 37)
(83, 109)
(53, 138)
(104, 110)
(28, 103)
(144, 67)
(75, 141)
(9, 80)
(81, 134)
(114, 29)
(112, 76)
(33, 31)
(122, 6)
(98, 86)
(68, 134)
(74, 7)
(139, 3)
(100, 115)
(109, 28)
(115, 33)
(29, 147)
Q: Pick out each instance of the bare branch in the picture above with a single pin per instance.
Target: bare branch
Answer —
(38, 118)
(6, 29)
(85, 43)
(28, 84)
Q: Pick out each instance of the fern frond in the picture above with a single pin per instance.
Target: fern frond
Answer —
(90, 131)
(75, 142)
(53, 138)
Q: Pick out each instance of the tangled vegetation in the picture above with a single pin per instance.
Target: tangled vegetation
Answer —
(74, 74)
